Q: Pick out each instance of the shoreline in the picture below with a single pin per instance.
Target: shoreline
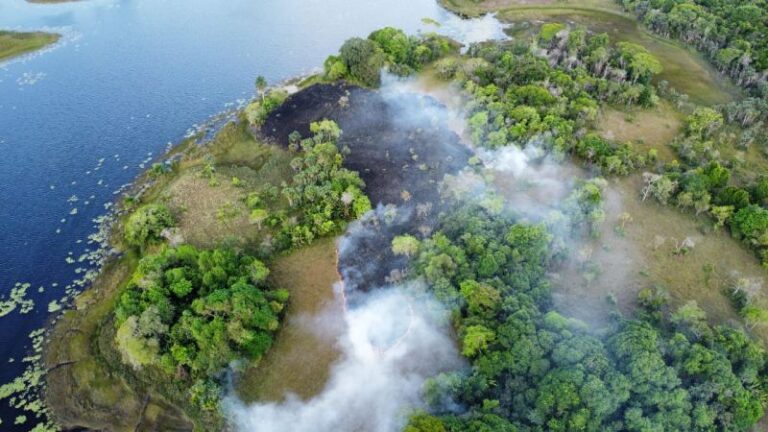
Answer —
(89, 308)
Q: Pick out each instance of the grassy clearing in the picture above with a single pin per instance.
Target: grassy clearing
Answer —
(300, 360)
(645, 254)
(646, 129)
(218, 213)
(14, 44)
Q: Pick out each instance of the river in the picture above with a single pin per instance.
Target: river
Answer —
(84, 117)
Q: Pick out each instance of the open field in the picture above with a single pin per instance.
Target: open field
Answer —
(472, 8)
(14, 44)
(644, 253)
(645, 129)
(301, 358)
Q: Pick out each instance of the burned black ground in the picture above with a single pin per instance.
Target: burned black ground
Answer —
(402, 147)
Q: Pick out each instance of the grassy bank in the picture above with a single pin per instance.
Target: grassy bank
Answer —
(474, 8)
(14, 44)
(81, 355)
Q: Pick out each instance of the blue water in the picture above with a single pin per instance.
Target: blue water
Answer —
(128, 78)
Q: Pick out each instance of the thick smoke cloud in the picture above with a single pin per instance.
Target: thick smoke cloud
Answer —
(392, 342)
(532, 183)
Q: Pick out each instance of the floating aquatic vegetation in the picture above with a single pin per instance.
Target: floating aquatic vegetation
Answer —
(25, 391)
(16, 299)
(54, 306)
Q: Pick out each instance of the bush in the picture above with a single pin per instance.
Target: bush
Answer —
(364, 60)
(147, 223)
(257, 111)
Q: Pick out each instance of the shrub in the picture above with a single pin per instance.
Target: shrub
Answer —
(147, 223)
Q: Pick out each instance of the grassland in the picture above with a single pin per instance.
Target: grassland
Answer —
(305, 347)
(13, 44)
(645, 129)
(642, 252)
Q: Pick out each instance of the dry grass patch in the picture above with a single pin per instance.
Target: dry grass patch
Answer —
(645, 129)
(305, 346)
(645, 253)
(209, 214)
(473, 8)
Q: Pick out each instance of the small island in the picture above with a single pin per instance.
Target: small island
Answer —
(13, 44)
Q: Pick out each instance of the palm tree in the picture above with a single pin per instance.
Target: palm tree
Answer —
(261, 85)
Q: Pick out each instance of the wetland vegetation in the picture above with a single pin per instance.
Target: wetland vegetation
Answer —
(14, 43)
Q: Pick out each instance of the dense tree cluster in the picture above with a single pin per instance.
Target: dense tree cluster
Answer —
(191, 312)
(732, 34)
(147, 223)
(361, 60)
(533, 369)
(549, 94)
(321, 195)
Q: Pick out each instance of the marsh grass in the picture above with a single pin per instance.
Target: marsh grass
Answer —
(474, 8)
(13, 44)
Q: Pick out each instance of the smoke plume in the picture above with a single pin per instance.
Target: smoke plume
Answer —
(392, 342)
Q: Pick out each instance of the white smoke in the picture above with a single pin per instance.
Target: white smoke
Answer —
(474, 30)
(392, 342)
(532, 182)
